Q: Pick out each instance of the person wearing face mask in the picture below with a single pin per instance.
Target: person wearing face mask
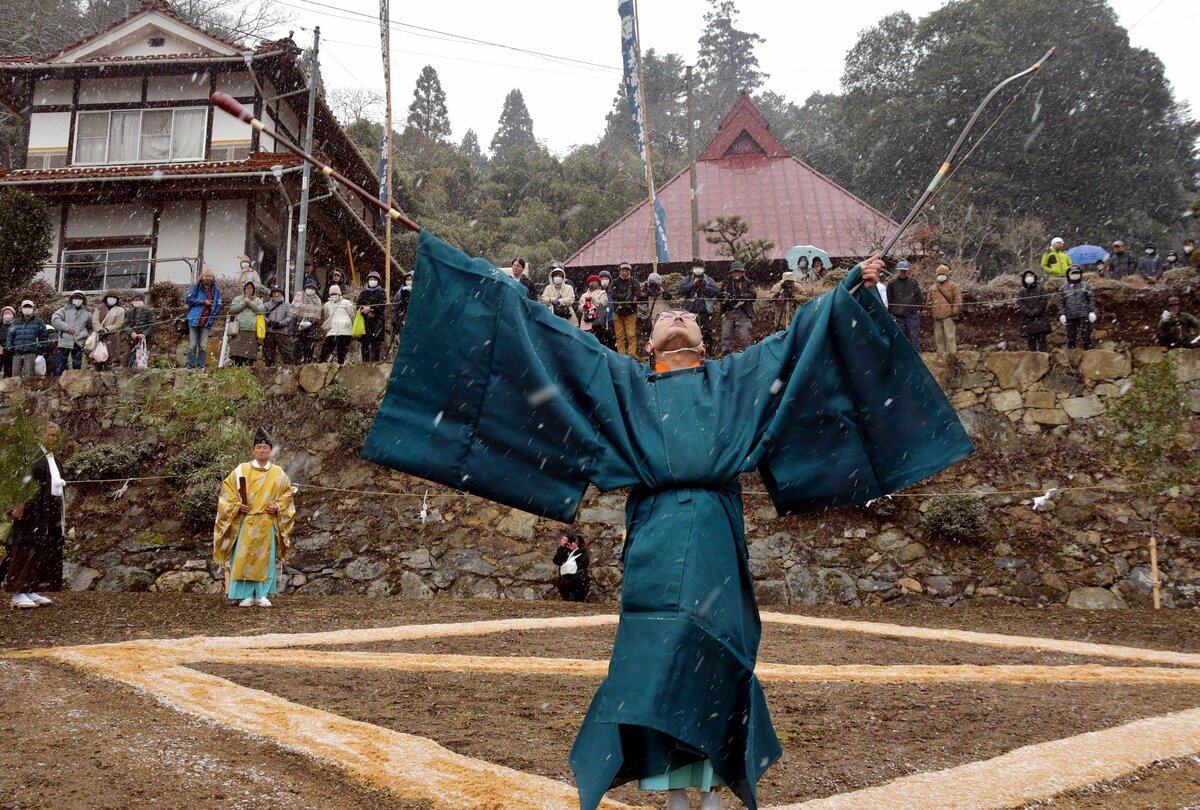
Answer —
(107, 320)
(372, 302)
(139, 326)
(591, 304)
(1077, 308)
(7, 316)
(204, 305)
(1033, 303)
(1121, 263)
(559, 295)
(624, 297)
(603, 328)
(737, 309)
(400, 308)
(1150, 266)
(308, 313)
(26, 339)
(699, 294)
(652, 303)
(945, 303)
(338, 324)
(73, 324)
(247, 273)
(279, 327)
(1172, 262)
(1056, 261)
(243, 347)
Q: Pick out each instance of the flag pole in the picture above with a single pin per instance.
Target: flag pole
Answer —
(646, 139)
(385, 23)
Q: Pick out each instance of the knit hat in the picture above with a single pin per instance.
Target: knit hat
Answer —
(262, 437)
(901, 265)
(137, 296)
(737, 267)
(605, 274)
(593, 277)
(309, 281)
(654, 278)
(335, 290)
(1056, 240)
(8, 309)
(941, 268)
(374, 274)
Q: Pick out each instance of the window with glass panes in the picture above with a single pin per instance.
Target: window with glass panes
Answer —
(140, 136)
(111, 268)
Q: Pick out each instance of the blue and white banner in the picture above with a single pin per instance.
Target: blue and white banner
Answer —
(631, 59)
(385, 39)
(383, 175)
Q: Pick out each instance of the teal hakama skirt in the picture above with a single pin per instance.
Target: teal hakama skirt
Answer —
(248, 588)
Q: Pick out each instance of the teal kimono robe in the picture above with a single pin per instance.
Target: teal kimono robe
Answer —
(492, 394)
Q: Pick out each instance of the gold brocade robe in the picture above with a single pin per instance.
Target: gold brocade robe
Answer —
(263, 488)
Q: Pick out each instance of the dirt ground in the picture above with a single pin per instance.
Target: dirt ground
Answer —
(83, 741)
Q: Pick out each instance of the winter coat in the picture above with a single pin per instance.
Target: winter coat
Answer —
(698, 295)
(307, 307)
(339, 318)
(652, 304)
(66, 318)
(561, 300)
(140, 321)
(107, 323)
(944, 300)
(526, 283)
(596, 300)
(1121, 265)
(1075, 300)
(1056, 262)
(623, 293)
(279, 317)
(196, 299)
(738, 296)
(25, 336)
(247, 311)
(1178, 330)
(1151, 266)
(1033, 303)
(400, 307)
(905, 297)
(376, 299)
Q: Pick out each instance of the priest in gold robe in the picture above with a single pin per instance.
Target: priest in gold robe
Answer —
(255, 514)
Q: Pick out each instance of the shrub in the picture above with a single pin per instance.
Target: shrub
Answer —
(958, 519)
(109, 460)
(20, 433)
(25, 237)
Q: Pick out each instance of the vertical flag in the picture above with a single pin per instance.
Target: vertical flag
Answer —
(631, 58)
(383, 175)
(384, 42)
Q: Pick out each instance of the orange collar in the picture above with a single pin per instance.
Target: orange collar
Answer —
(660, 368)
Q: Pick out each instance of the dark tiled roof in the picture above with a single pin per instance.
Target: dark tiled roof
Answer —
(745, 171)
(257, 162)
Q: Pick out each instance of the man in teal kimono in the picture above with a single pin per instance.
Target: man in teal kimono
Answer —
(516, 405)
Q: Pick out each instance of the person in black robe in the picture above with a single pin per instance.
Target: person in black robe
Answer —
(372, 302)
(36, 550)
(571, 559)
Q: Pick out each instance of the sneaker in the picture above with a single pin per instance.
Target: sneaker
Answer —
(40, 600)
(262, 601)
(247, 602)
(22, 602)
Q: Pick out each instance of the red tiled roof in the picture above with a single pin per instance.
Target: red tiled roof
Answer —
(745, 171)
(257, 162)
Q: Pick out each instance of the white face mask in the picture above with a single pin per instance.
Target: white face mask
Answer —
(309, 291)
(8, 318)
(603, 282)
(942, 277)
(1029, 280)
(27, 311)
(1188, 249)
(372, 283)
(1075, 277)
(77, 303)
(112, 302)
(1149, 251)
(139, 304)
(335, 297)
(557, 281)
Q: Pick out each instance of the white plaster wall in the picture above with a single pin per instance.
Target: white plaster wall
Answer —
(104, 91)
(49, 272)
(92, 221)
(289, 118)
(175, 88)
(225, 236)
(235, 83)
(53, 91)
(49, 130)
(178, 237)
(227, 128)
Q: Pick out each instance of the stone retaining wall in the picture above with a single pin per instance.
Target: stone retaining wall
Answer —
(1086, 547)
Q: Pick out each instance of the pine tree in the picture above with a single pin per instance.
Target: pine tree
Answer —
(515, 128)
(470, 149)
(727, 64)
(25, 235)
(427, 113)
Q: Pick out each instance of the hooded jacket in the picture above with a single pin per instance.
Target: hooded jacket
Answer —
(66, 318)
(1033, 303)
(560, 298)
(1075, 299)
(376, 299)
(1056, 262)
(1151, 266)
(339, 318)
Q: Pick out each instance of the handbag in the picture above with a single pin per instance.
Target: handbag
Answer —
(570, 566)
(231, 327)
(260, 326)
(89, 345)
(359, 327)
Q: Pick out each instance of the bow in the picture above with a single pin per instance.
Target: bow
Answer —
(958, 144)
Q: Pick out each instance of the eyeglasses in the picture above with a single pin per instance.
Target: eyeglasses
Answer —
(687, 316)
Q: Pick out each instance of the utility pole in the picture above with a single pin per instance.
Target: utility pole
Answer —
(302, 227)
(692, 168)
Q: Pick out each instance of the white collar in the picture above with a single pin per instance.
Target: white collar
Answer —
(254, 464)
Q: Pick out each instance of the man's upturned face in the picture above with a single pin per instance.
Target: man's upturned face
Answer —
(262, 453)
(675, 330)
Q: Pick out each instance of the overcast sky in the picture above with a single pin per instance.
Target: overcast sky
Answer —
(570, 82)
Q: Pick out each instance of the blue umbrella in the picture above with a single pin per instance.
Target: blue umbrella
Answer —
(1087, 254)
